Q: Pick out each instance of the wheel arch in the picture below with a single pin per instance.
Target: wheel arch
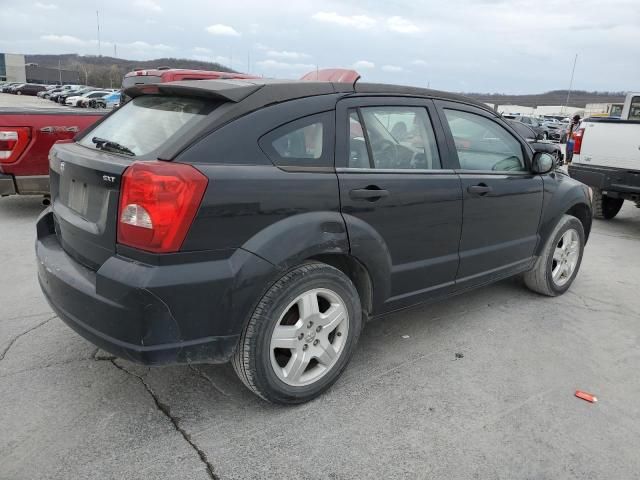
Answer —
(583, 213)
(356, 272)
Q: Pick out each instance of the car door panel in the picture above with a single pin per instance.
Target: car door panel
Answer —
(500, 227)
(502, 207)
(416, 212)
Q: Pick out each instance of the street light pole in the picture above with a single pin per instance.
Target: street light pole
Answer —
(573, 71)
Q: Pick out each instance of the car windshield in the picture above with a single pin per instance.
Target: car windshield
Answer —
(147, 122)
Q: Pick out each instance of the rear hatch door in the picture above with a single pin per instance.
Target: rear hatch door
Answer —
(86, 176)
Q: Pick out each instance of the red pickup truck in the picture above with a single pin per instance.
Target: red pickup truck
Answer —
(26, 136)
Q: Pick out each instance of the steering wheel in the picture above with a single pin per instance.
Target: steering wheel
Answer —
(508, 164)
(385, 153)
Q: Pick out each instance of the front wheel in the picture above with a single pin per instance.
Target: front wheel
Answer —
(300, 336)
(558, 264)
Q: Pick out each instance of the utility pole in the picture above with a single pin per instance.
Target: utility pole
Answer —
(98, 22)
(573, 71)
(115, 50)
(248, 61)
(60, 72)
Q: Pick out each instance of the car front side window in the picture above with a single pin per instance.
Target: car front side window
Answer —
(483, 144)
(395, 137)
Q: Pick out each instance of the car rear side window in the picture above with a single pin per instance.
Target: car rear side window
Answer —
(482, 144)
(305, 142)
(394, 137)
(148, 122)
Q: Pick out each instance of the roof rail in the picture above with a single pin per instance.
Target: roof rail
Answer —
(337, 75)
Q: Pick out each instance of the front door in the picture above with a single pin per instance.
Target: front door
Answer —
(401, 201)
(502, 198)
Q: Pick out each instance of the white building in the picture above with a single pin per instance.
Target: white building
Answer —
(12, 68)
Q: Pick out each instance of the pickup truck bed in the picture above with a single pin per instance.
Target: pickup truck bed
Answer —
(26, 136)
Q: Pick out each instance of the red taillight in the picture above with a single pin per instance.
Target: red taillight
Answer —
(13, 141)
(158, 201)
(577, 140)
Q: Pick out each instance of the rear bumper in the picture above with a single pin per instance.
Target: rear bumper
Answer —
(615, 182)
(24, 185)
(149, 314)
(7, 186)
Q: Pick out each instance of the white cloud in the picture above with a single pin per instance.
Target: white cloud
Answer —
(46, 6)
(357, 21)
(274, 64)
(284, 54)
(419, 63)
(148, 5)
(261, 46)
(392, 68)
(63, 39)
(140, 45)
(402, 25)
(363, 64)
(225, 30)
(202, 50)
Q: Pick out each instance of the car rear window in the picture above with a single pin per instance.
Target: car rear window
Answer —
(146, 123)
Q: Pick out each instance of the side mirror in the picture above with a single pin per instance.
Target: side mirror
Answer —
(543, 163)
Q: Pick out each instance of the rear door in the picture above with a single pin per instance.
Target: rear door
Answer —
(400, 200)
(502, 198)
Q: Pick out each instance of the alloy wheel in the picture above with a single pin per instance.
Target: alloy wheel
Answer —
(565, 257)
(309, 337)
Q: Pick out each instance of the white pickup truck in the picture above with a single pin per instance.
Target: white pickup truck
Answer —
(606, 156)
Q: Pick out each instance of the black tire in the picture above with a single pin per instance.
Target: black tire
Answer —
(252, 360)
(605, 207)
(540, 278)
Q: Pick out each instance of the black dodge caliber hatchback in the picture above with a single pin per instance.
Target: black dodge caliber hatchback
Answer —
(263, 222)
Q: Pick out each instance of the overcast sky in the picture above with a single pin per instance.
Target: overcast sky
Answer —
(505, 46)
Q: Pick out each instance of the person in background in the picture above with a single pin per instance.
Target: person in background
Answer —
(572, 128)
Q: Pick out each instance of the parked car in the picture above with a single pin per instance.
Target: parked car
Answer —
(343, 202)
(539, 145)
(79, 100)
(29, 89)
(26, 136)
(65, 88)
(62, 97)
(47, 90)
(606, 156)
(112, 100)
(6, 88)
(542, 131)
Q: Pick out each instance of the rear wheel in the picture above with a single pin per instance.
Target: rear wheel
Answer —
(558, 264)
(300, 336)
(605, 207)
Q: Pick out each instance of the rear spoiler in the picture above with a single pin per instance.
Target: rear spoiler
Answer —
(224, 90)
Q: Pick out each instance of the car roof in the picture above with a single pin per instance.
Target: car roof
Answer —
(269, 91)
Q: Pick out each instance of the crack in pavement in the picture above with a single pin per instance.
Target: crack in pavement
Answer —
(14, 339)
(209, 380)
(176, 425)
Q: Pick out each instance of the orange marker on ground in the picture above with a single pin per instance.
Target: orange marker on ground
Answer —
(586, 396)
